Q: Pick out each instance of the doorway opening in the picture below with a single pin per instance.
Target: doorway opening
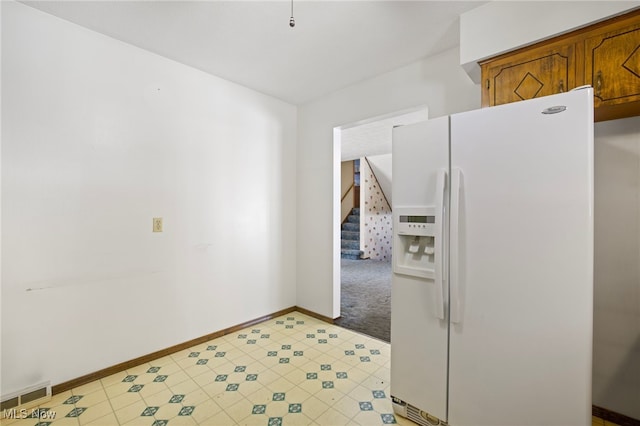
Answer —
(363, 221)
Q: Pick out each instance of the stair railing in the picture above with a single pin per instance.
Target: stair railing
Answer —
(347, 203)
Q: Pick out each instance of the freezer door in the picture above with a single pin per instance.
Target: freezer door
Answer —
(419, 329)
(522, 263)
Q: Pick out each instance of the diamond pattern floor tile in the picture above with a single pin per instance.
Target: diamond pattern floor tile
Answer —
(289, 370)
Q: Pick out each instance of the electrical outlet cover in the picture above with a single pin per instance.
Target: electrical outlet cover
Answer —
(157, 224)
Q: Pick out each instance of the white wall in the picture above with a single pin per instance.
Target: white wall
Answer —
(616, 352)
(438, 82)
(376, 220)
(500, 26)
(382, 167)
(98, 137)
(1, 197)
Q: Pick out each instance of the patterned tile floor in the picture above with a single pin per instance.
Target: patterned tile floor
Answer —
(292, 370)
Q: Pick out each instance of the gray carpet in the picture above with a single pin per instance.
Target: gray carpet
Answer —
(365, 302)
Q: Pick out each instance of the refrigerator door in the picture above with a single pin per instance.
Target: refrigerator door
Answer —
(522, 263)
(419, 328)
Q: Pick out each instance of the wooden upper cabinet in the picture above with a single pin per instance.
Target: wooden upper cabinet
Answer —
(530, 74)
(612, 67)
(605, 55)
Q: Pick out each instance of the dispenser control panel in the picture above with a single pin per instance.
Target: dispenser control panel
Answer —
(416, 224)
(416, 233)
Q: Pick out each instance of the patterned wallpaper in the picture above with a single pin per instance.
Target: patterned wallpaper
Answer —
(376, 221)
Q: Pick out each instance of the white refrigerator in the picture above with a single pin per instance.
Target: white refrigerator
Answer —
(492, 294)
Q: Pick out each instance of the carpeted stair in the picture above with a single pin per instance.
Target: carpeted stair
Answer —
(350, 246)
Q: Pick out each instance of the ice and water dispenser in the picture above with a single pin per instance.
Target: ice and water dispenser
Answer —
(416, 241)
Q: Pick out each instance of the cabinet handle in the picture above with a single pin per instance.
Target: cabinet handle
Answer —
(488, 84)
(561, 86)
(598, 83)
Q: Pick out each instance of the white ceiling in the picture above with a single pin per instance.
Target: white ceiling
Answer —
(334, 43)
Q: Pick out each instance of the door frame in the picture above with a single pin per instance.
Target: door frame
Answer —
(337, 160)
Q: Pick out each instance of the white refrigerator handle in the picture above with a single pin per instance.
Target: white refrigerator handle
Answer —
(454, 257)
(441, 183)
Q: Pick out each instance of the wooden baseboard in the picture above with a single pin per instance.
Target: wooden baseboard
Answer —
(105, 372)
(314, 315)
(613, 417)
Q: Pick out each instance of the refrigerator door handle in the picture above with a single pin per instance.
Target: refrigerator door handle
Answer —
(454, 258)
(441, 183)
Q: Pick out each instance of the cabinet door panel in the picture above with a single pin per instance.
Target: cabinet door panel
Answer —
(531, 76)
(613, 66)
